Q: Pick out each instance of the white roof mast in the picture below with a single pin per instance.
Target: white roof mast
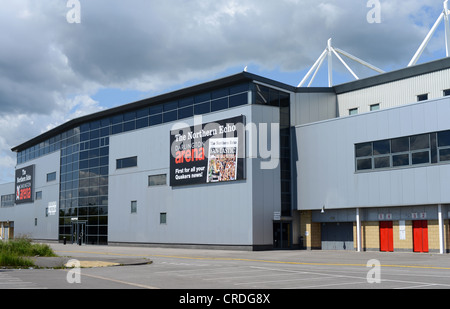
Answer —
(328, 52)
(444, 16)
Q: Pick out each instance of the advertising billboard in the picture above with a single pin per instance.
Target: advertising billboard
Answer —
(24, 185)
(212, 152)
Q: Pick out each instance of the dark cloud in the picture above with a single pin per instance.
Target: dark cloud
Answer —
(50, 69)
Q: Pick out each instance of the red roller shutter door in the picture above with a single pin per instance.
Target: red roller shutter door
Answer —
(386, 236)
(420, 235)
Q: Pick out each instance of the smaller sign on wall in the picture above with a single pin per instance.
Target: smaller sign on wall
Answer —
(422, 215)
(24, 185)
(52, 208)
(402, 229)
(387, 216)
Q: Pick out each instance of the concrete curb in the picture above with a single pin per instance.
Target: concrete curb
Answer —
(87, 262)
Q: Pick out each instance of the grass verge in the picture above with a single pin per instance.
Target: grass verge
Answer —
(16, 253)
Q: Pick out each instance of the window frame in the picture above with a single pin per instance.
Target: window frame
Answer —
(38, 195)
(422, 97)
(157, 184)
(377, 105)
(353, 111)
(163, 218)
(51, 176)
(133, 207)
(133, 162)
(418, 152)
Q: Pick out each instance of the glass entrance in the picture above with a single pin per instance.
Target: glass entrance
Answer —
(282, 235)
(78, 232)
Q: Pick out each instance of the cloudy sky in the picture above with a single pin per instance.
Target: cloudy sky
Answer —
(52, 70)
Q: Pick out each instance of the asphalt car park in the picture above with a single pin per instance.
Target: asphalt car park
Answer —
(197, 270)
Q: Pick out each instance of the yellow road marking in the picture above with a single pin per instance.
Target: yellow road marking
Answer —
(255, 260)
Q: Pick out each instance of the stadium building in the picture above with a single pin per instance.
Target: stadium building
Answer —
(248, 163)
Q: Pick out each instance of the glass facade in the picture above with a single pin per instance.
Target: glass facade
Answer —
(407, 151)
(84, 149)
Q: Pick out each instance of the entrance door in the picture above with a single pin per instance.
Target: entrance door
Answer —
(420, 236)
(78, 232)
(282, 235)
(386, 236)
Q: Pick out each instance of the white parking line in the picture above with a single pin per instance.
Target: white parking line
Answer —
(415, 286)
(9, 282)
(279, 281)
(196, 270)
(323, 285)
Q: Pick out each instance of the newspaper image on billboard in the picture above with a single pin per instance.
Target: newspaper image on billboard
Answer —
(222, 160)
(208, 153)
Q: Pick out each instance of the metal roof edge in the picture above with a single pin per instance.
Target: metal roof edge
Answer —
(396, 75)
(162, 98)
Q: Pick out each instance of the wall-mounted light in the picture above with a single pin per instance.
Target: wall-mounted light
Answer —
(323, 209)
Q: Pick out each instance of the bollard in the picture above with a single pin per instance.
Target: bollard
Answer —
(64, 241)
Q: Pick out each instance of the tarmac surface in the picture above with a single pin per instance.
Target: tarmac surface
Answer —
(63, 261)
(102, 256)
(187, 269)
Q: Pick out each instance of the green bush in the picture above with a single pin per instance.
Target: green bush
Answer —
(12, 260)
(13, 253)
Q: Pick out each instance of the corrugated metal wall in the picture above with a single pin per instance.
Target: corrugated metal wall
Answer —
(326, 160)
(312, 107)
(395, 93)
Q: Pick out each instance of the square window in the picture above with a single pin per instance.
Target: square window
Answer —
(51, 177)
(157, 180)
(364, 164)
(420, 157)
(353, 111)
(185, 112)
(363, 150)
(444, 138)
(156, 109)
(446, 92)
(156, 119)
(202, 108)
(420, 142)
(374, 107)
(382, 147)
(237, 100)
(444, 154)
(170, 106)
(400, 144)
(422, 97)
(382, 162)
(219, 104)
(142, 123)
(400, 160)
(170, 116)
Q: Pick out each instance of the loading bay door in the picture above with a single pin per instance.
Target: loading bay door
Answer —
(337, 236)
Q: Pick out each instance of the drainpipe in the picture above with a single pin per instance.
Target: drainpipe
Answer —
(358, 230)
(441, 230)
